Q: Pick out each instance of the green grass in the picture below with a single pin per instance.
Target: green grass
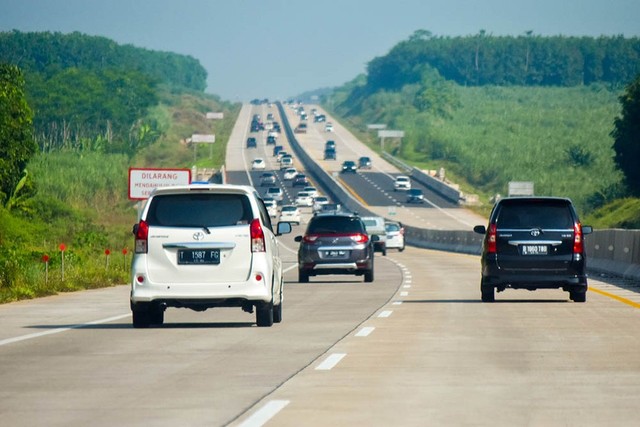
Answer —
(556, 137)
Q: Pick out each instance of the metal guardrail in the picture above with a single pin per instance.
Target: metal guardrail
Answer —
(613, 251)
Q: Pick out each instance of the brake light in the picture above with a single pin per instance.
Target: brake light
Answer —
(492, 239)
(310, 238)
(142, 238)
(257, 236)
(578, 246)
(360, 238)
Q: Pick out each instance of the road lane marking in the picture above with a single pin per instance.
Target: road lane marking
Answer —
(330, 362)
(385, 313)
(58, 330)
(397, 303)
(404, 294)
(364, 332)
(406, 286)
(264, 414)
(615, 297)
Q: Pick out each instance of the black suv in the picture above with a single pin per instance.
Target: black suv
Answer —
(533, 243)
(252, 142)
(335, 243)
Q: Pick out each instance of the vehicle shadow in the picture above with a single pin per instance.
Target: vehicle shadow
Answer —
(478, 301)
(128, 325)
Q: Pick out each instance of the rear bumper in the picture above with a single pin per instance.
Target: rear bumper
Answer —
(567, 280)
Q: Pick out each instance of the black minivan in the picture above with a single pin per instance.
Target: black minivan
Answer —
(533, 243)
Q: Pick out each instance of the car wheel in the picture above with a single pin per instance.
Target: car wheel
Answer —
(578, 296)
(488, 293)
(368, 276)
(156, 314)
(384, 251)
(264, 314)
(401, 249)
(303, 276)
(141, 317)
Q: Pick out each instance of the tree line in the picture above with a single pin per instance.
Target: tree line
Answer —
(90, 93)
(528, 60)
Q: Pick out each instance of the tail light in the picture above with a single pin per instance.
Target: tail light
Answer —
(360, 238)
(142, 238)
(257, 236)
(492, 237)
(578, 245)
(310, 238)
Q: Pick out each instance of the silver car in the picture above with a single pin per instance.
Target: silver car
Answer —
(206, 246)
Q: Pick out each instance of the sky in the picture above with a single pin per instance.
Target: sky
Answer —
(277, 49)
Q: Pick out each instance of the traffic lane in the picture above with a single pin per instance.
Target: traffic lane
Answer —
(198, 369)
(444, 356)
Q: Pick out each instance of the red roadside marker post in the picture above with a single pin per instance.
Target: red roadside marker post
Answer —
(124, 259)
(107, 252)
(63, 248)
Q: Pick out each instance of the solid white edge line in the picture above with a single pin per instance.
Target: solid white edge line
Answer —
(58, 330)
(364, 332)
(264, 414)
(330, 362)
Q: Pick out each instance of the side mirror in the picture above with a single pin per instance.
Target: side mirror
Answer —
(283, 228)
(587, 229)
(480, 229)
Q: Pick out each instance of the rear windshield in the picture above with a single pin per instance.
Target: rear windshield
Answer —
(546, 215)
(199, 210)
(335, 224)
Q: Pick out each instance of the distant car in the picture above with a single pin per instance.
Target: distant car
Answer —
(335, 243)
(267, 178)
(313, 191)
(328, 127)
(202, 247)
(402, 183)
(275, 193)
(319, 118)
(415, 195)
(300, 180)
(252, 142)
(289, 174)
(271, 140)
(349, 166)
(533, 243)
(364, 162)
(395, 235)
(277, 149)
(331, 208)
(286, 162)
(318, 201)
(290, 213)
(330, 154)
(258, 164)
(301, 128)
(272, 206)
(280, 154)
(330, 144)
(303, 198)
(375, 226)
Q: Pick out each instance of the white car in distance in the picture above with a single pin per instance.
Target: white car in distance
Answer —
(258, 164)
(402, 183)
(304, 199)
(290, 213)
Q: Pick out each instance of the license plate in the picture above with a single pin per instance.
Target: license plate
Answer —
(534, 249)
(335, 254)
(199, 256)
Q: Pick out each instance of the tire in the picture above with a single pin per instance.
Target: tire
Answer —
(141, 317)
(401, 249)
(578, 296)
(368, 276)
(488, 293)
(264, 315)
(156, 315)
(303, 276)
(384, 250)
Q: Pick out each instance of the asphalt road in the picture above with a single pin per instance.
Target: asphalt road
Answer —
(414, 348)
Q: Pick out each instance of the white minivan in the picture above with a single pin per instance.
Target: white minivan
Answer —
(206, 246)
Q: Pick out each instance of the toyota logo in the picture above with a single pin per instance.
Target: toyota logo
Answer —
(536, 232)
(198, 236)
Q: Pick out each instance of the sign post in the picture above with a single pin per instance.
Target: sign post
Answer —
(143, 181)
(382, 134)
(201, 139)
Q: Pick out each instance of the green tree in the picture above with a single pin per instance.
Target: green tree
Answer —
(16, 135)
(626, 134)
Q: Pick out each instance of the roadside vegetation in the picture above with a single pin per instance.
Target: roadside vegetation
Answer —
(488, 121)
(69, 190)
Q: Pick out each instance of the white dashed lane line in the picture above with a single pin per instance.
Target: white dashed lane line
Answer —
(385, 313)
(330, 362)
(364, 332)
(264, 414)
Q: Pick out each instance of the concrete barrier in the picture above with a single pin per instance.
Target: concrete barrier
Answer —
(613, 251)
